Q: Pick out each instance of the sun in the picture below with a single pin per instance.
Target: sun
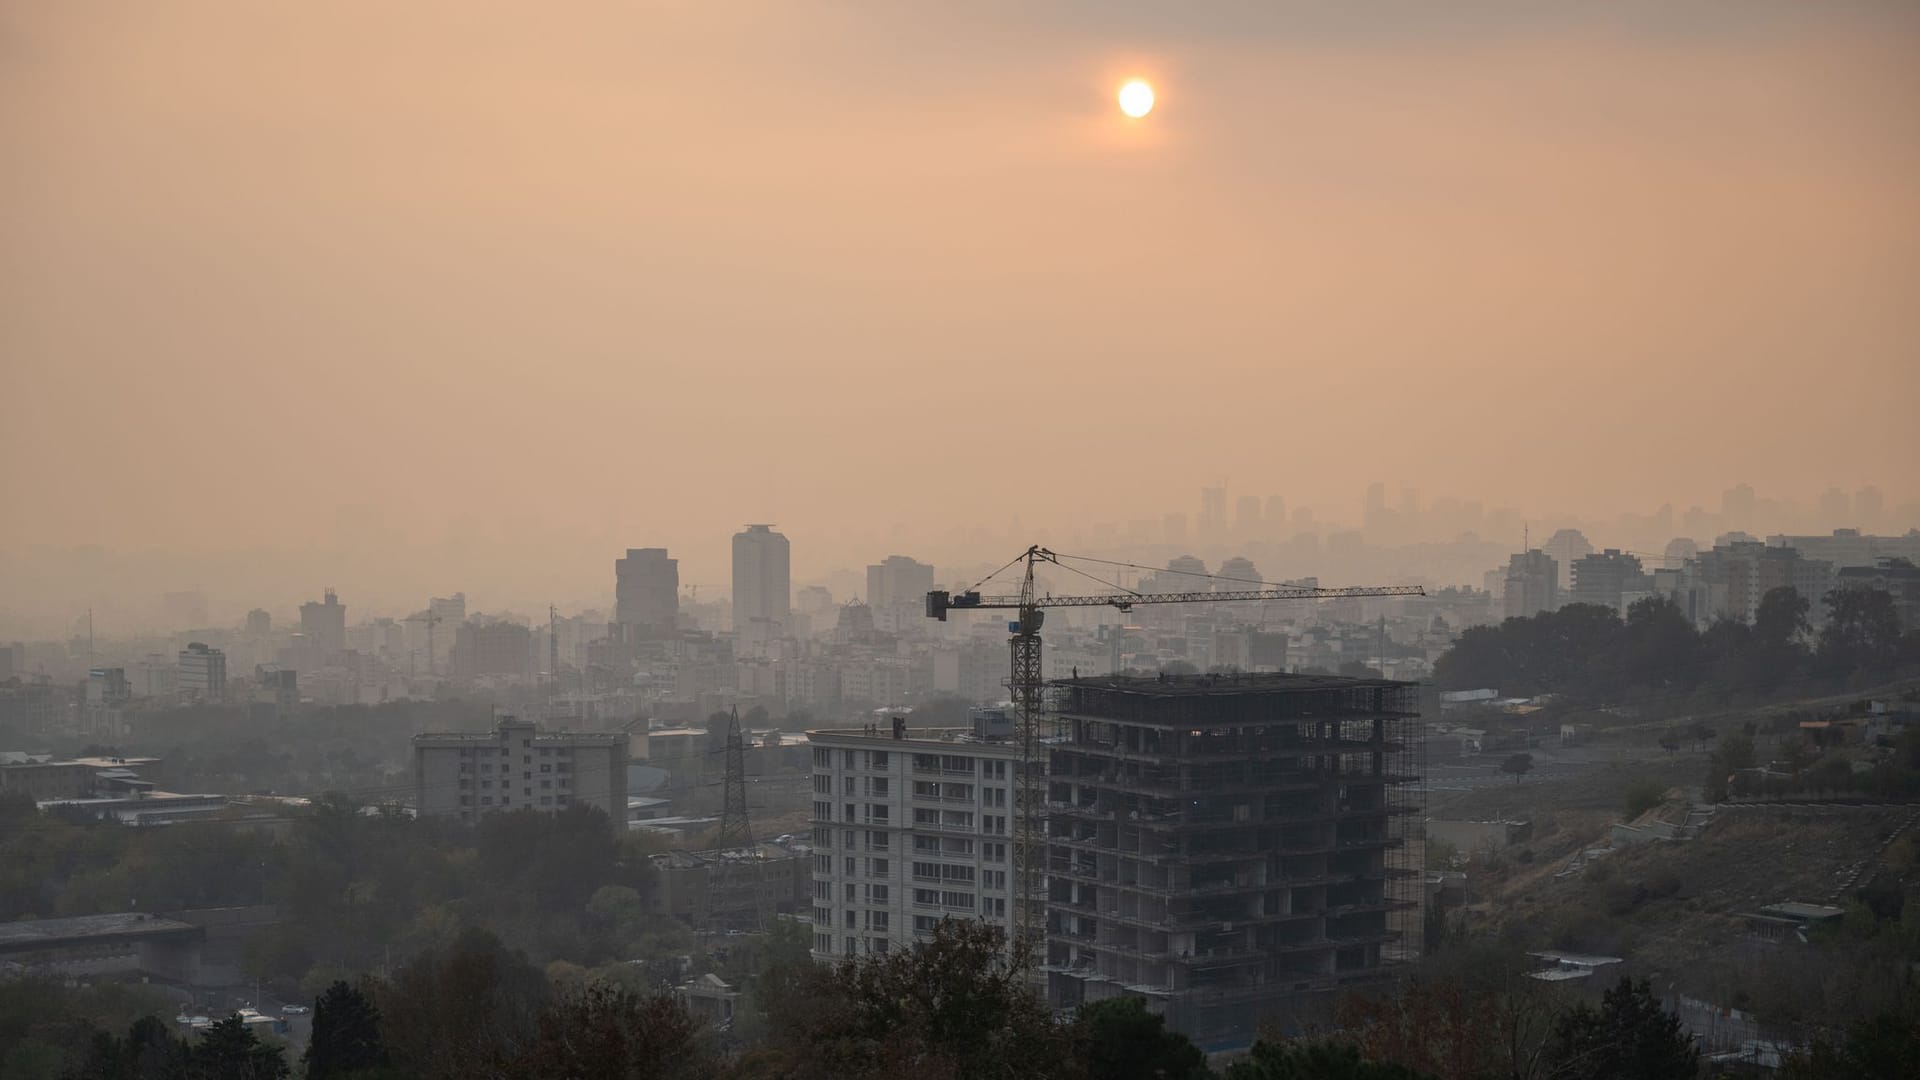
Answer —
(1136, 98)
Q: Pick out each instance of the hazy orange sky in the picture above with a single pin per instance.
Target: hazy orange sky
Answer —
(649, 271)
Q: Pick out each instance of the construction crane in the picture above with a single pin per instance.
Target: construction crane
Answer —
(1027, 683)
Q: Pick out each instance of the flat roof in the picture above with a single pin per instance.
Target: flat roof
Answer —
(926, 736)
(1223, 683)
(35, 934)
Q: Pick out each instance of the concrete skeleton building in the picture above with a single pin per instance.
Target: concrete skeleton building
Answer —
(910, 826)
(467, 774)
(1221, 845)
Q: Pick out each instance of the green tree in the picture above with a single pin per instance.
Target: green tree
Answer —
(1630, 1037)
(346, 1035)
(228, 1050)
(1862, 634)
(1313, 1061)
(950, 1008)
(1121, 1040)
(1643, 795)
(1517, 765)
(607, 1033)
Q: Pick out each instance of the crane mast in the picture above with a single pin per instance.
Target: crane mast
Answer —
(1027, 686)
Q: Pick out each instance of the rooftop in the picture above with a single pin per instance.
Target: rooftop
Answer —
(1222, 683)
(83, 929)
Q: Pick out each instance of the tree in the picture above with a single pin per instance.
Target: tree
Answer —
(466, 1010)
(1518, 765)
(228, 1050)
(1121, 1040)
(1643, 795)
(346, 1034)
(1862, 634)
(1886, 1045)
(949, 1008)
(1630, 1037)
(608, 1033)
(1313, 1061)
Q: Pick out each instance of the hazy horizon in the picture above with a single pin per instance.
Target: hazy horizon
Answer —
(308, 288)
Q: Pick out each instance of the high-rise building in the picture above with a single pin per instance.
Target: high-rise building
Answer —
(762, 587)
(1567, 546)
(324, 623)
(491, 648)
(646, 592)
(516, 765)
(1533, 584)
(202, 672)
(1610, 579)
(259, 623)
(910, 826)
(1222, 846)
(1213, 513)
(897, 590)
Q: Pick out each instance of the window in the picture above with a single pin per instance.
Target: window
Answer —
(526, 742)
(878, 868)
(546, 751)
(846, 759)
(876, 920)
(546, 783)
(852, 920)
(877, 812)
(822, 784)
(926, 871)
(823, 943)
(880, 946)
(823, 864)
(566, 781)
(926, 843)
(962, 900)
(822, 758)
(876, 759)
(466, 766)
(822, 837)
(956, 763)
(924, 924)
(823, 890)
(849, 812)
(823, 811)
(486, 766)
(847, 840)
(993, 879)
(546, 766)
(925, 790)
(546, 800)
(846, 785)
(853, 865)
(995, 852)
(486, 800)
(562, 800)
(486, 783)
(876, 894)
(956, 873)
(995, 796)
(877, 841)
(926, 763)
(852, 892)
(877, 787)
(927, 897)
(466, 800)
(465, 784)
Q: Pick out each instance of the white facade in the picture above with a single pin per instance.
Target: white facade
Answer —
(906, 832)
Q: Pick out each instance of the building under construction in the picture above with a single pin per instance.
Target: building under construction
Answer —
(1229, 846)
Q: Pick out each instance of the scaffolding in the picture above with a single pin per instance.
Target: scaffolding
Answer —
(1227, 846)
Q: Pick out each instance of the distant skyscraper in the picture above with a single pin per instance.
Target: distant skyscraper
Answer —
(1213, 513)
(1567, 546)
(762, 585)
(1679, 550)
(1533, 584)
(1608, 579)
(646, 592)
(259, 623)
(325, 624)
(897, 590)
(1276, 516)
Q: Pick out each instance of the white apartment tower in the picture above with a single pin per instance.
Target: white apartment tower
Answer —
(910, 826)
(762, 587)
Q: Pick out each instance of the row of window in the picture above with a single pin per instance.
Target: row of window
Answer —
(487, 751)
(487, 766)
(507, 800)
(823, 758)
(823, 943)
(506, 782)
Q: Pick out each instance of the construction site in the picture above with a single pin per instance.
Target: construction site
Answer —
(1230, 847)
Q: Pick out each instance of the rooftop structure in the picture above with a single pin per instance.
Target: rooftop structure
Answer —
(1221, 844)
